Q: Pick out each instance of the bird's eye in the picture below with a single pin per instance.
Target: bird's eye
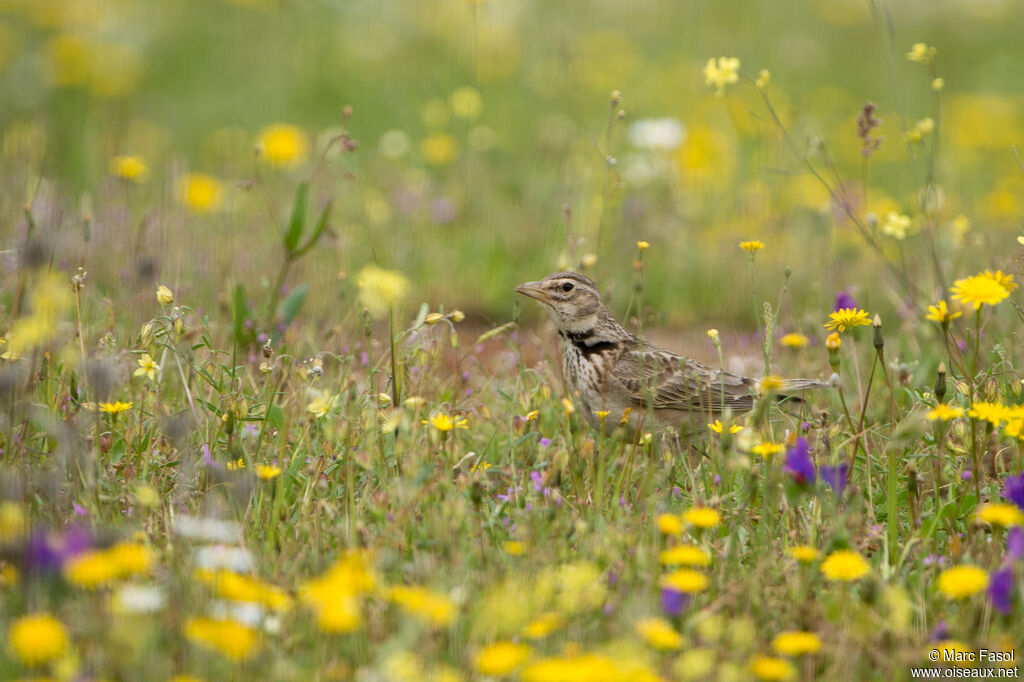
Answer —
(567, 287)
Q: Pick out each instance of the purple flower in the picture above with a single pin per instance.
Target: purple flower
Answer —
(538, 480)
(507, 496)
(836, 476)
(798, 462)
(966, 475)
(1013, 489)
(1000, 590)
(940, 632)
(79, 509)
(673, 603)
(1015, 543)
(544, 442)
(844, 300)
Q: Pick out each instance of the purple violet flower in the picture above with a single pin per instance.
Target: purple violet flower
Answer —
(843, 300)
(1000, 590)
(1015, 543)
(673, 603)
(836, 476)
(1013, 489)
(798, 462)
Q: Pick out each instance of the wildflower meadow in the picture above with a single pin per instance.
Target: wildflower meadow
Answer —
(270, 408)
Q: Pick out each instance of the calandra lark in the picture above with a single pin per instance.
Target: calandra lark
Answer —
(608, 368)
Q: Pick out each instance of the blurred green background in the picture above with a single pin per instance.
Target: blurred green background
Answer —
(484, 143)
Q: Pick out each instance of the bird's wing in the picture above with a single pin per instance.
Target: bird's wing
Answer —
(674, 382)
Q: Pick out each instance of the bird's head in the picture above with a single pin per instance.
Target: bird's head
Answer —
(572, 299)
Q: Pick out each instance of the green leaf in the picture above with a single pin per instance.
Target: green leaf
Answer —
(318, 230)
(275, 417)
(240, 312)
(291, 306)
(295, 225)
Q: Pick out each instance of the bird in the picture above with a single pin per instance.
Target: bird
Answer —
(618, 378)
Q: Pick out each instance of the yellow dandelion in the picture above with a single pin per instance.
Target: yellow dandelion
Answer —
(834, 342)
(847, 317)
(794, 340)
(684, 555)
(501, 658)
(752, 246)
(960, 582)
(940, 313)
(115, 407)
(670, 524)
(380, 289)
(944, 412)
(283, 145)
(543, 625)
(845, 565)
(445, 423)
(767, 450)
(430, 607)
(770, 383)
(771, 668)
(805, 554)
(267, 471)
(717, 427)
(1000, 514)
(439, 149)
(514, 547)
(37, 638)
(233, 640)
(685, 580)
(702, 517)
(993, 413)
(322, 403)
(659, 633)
(979, 290)
(200, 193)
(531, 415)
(721, 72)
(642, 246)
(568, 406)
(796, 643)
(1001, 278)
(130, 168)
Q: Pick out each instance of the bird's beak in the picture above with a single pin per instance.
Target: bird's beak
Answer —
(533, 290)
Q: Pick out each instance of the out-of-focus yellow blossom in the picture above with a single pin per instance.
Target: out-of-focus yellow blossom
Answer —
(147, 367)
(938, 84)
(659, 633)
(130, 168)
(446, 422)
(764, 77)
(147, 496)
(466, 103)
(767, 450)
(236, 587)
(573, 666)
(439, 149)
(49, 301)
(1002, 278)
(944, 412)
(684, 555)
(960, 582)
(642, 246)
(714, 336)
(770, 383)
(702, 517)
(267, 471)
(993, 413)
(336, 596)
(13, 524)
(431, 607)
(896, 225)
(796, 643)
(721, 72)
(921, 53)
(323, 402)
(794, 340)
(514, 548)
(1000, 514)
(979, 290)
(805, 554)
(670, 524)
(845, 565)
(283, 145)
(922, 128)
(834, 342)
(717, 427)
(115, 407)
(98, 567)
(227, 637)
(568, 406)
(236, 465)
(380, 289)
(770, 668)
(940, 313)
(200, 193)
(37, 638)
(685, 580)
(752, 246)
(543, 626)
(164, 295)
(847, 317)
(501, 658)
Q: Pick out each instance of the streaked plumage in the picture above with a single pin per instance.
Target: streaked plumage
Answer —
(607, 367)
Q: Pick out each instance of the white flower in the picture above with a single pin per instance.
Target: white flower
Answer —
(661, 134)
(212, 557)
(207, 529)
(138, 599)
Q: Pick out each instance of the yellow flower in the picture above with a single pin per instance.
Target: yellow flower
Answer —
(669, 524)
(796, 643)
(543, 625)
(642, 246)
(164, 295)
(380, 289)
(938, 84)
(531, 415)
(684, 555)
(234, 640)
(896, 225)
(431, 607)
(466, 103)
(794, 340)
(236, 465)
(944, 412)
(98, 567)
(979, 290)
(999, 514)
(445, 423)
(771, 668)
(834, 342)
(684, 580)
(752, 245)
(130, 168)
(717, 427)
(236, 587)
(115, 407)
(267, 471)
(439, 149)
(764, 77)
(766, 450)
(13, 524)
(993, 413)
(960, 582)
(147, 367)
(847, 317)
(200, 193)
(568, 406)
(659, 633)
(805, 554)
(283, 145)
(702, 517)
(335, 596)
(770, 383)
(940, 313)
(720, 73)
(845, 565)
(514, 548)
(322, 403)
(713, 335)
(601, 414)
(999, 277)
(501, 658)
(921, 53)
(37, 638)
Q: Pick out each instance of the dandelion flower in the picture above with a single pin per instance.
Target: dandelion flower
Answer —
(466, 103)
(845, 565)
(130, 168)
(501, 658)
(684, 555)
(283, 145)
(147, 367)
(805, 554)
(766, 450)
(543, 626)
(659, 633)
(847, 317)
(764, 77)
(234, 640)
(702, 517)
(685, 580)
(940, 313)
(669, 524)
(1000, 514)
(717, 427)
(322, 403)
(921, 53)
(267, 471)
(642, 246)
(979, 290)
(514, 548)
(999, 277)
(752, 246)
(960, 582)
(380, 289)
(37, 638)
(721, 72)
(200, 193)
(771, 668)
(439, 149)
(796, 643)
(445, 423)
(993, 413)
(431, 607)
(794, 340)
(115, 407)
(944, 412)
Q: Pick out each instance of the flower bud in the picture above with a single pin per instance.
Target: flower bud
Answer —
(940, 382)
(433, 318)
(879, 342)
(164, 295)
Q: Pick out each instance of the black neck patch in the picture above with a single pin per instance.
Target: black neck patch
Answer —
(589, 349)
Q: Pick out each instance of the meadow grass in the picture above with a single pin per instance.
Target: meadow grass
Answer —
(272, 412)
